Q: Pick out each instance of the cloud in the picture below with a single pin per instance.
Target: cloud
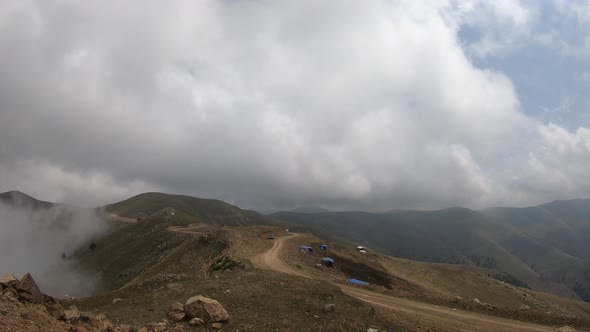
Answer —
(34, 241)
(263, 104)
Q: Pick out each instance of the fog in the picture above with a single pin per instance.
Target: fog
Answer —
(34, 240)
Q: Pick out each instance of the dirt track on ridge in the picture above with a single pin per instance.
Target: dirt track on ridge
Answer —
(427, 314)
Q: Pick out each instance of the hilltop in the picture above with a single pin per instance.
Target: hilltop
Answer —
(209, 211)
(19, 199)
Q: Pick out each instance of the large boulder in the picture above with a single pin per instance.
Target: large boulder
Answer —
(29, 291)
(8, 280)
(205, 308)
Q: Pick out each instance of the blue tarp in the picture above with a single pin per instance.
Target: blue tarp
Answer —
(328, 259)
(306, 248)
(357, 282)
(324, 247)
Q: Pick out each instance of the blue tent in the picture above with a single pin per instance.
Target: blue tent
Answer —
(358, 282)
(305, 248)
(324, 247)
(327, 261)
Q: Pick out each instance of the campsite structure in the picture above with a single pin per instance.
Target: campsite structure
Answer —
(305, 249)
(327, 261)
(324, 247)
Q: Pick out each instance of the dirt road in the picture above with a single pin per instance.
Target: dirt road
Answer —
(427, 314)
(270, 260)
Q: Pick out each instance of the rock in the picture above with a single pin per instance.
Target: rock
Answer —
(524, 307)
(565, 329)
(8, 280)
(216, 326)
(176, 312)
(72, 314)
(196, 322)
(331, 307)
(55, 310)
(101, 323)
(176, 306)
(476, 301)
(458, 298)
(29, 291)
(176, 316)
(373, 329)
(208, 309)
(10, 293)
(117, 300)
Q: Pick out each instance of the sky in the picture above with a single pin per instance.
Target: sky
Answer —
(274, 104)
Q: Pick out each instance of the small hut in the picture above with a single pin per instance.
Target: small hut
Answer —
(305, 249)
(327, 261)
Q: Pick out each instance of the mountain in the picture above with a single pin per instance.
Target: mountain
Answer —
(309, 209)
(20, 199)
(209, 211)
(546, 247)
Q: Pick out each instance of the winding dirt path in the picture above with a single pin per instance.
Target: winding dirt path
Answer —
(441, 317)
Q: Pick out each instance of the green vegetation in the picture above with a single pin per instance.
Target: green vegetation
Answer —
(209, 211)
(226, 263)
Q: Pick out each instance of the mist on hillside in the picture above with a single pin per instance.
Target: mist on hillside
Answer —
(35, 241)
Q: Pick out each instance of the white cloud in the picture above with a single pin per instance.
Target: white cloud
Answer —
(368, 105)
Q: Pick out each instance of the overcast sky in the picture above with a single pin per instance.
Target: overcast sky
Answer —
(274, 104)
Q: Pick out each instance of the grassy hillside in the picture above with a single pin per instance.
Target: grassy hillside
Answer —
(17, 198)
(149, 266)
(545, 247)
(209, 211)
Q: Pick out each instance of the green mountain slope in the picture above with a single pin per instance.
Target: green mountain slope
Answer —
(542, 246)
(209, 211)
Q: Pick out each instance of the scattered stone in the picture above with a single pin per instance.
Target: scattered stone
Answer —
(196, 322)
(524, 307)
(331, 307)
(458, 298)
(117, 300)
(29, 291)
(373, 329)
(176, 312)
(208, 309)
(216, 326)
(476, 301)
(176, 316)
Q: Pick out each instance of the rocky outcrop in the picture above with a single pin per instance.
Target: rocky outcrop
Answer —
(205, 308)
(28, 290)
